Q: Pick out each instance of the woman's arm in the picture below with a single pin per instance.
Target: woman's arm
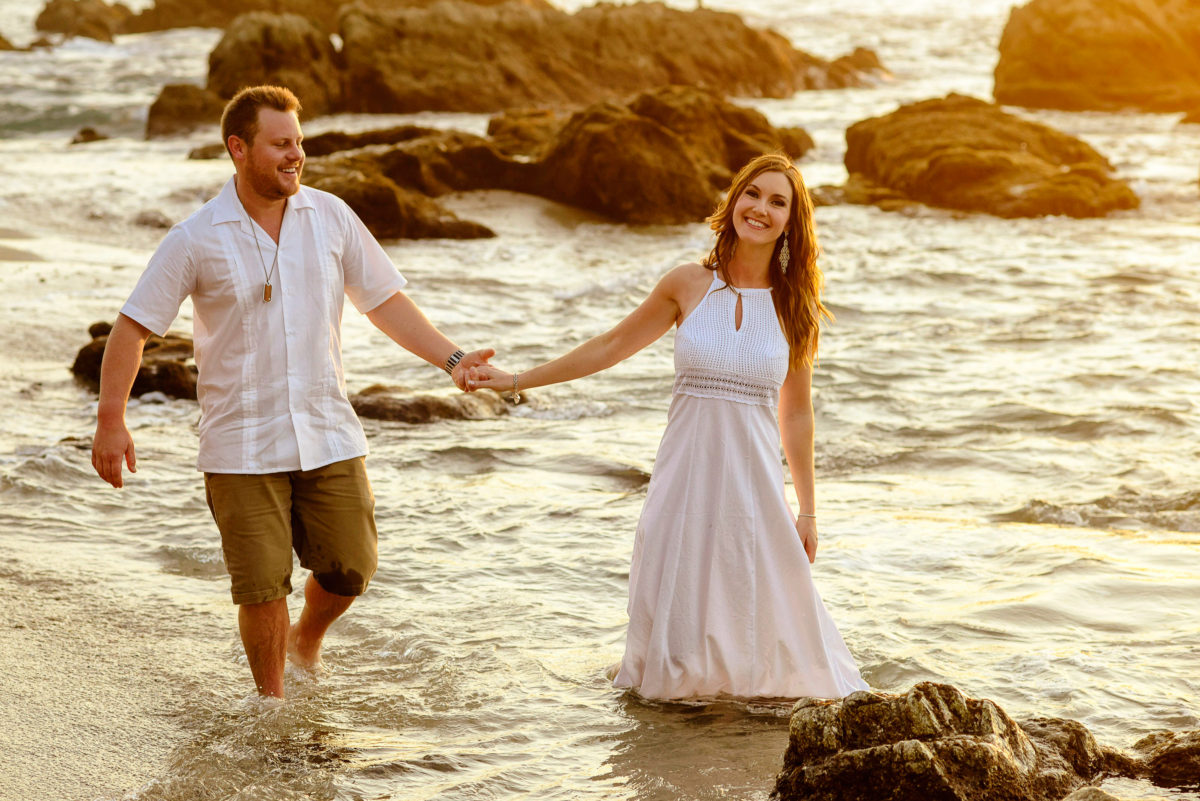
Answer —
(796, 427)
(644, 325)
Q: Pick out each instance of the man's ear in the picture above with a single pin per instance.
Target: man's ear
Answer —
(237, 147)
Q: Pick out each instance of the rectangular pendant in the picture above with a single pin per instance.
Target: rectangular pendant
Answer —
(266, 293)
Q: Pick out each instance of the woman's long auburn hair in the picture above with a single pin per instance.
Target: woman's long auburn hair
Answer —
(796, 293)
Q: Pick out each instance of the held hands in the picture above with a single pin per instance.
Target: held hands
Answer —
(486, 376)
(472, 360)
(806, 529)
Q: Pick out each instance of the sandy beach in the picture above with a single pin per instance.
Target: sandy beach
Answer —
(89, 684)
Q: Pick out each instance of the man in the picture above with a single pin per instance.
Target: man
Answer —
(267, 264)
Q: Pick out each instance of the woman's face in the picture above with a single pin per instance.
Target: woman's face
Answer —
(762, 212)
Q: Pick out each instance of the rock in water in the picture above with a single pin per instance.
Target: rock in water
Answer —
(93, 19)
(456, 56)
(393, 403)
(961, 153)
(1098, 54)
(284, 49)
(1172, 758)
(934, 744)
(181, 107)
(166, 367)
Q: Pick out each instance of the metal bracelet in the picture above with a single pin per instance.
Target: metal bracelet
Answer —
(454, 359)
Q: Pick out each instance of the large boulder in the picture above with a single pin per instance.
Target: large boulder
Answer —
(1172, 759)
(166, 367)
(396, 404)
(935, 744)
(182, 107)
(389, 211)
(662, 157)
(962, 153)
(282, 49)
(1097, 54)
(163, 14)
(93, 19)
(456, 56)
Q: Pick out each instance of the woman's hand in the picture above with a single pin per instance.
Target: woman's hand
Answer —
(485, 376)
(806, 528)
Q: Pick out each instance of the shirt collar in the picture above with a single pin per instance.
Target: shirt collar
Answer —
(228, 208)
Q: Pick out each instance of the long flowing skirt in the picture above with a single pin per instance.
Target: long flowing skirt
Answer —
(721, 596)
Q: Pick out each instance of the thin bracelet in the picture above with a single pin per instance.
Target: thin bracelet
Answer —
(516, 391)
(801, 514)
(454, 359)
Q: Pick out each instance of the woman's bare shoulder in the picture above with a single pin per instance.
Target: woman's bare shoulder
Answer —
(687, 276)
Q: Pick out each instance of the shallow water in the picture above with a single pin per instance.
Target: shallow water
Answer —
(1006, 460)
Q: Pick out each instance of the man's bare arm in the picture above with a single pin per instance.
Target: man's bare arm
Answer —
(113, 443)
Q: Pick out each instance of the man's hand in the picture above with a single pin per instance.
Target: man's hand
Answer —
(113, 444)
(476, 358)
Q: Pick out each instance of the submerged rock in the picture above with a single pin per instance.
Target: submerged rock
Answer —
(93, 19)
(394, 403)
(932, 744)
(961, 153)
(283, 49)
(1172, 758)
(87, 135)
(456, 56)
(1093, 54)
(182, 107)
(166, 367)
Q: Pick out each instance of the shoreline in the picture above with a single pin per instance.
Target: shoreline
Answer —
(91, 689)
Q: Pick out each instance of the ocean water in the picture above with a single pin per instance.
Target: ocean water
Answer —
(1006, 451)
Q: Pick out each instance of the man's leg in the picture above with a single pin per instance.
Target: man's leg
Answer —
(264, 630)
(333, 530)
(321, 608)
(252, 513)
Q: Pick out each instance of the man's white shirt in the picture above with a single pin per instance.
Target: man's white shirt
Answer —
(271, 389)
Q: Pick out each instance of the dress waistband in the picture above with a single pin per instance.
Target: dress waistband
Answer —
(727, 386)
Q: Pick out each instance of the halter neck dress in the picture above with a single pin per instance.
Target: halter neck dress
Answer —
(721, 596)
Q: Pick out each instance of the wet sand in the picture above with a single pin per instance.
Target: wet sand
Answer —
(88, 685)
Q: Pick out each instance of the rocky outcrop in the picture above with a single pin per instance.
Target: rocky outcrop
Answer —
(93, 19)
(961, 153)
(935, 744)
(1093, 54)
(388, 210)
(5, 44)
(661, 158)
(284, 49)
(180, 108)
(166, 367)
(1172, 759)
(163, 14)
(396, 404)
(457, 56)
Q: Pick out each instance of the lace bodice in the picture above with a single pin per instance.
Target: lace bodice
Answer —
(715, 359)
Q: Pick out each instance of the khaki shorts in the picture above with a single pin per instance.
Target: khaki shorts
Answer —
(326, 515)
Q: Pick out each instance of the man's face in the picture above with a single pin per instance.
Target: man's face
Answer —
(272, 163)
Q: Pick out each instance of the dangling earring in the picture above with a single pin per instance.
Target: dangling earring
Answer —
(785, 255)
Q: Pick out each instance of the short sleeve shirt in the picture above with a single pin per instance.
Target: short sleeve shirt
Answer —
(271, 389)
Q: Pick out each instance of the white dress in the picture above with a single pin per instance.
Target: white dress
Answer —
(721, 597)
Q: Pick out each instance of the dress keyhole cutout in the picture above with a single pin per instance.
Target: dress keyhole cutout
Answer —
(737, 313)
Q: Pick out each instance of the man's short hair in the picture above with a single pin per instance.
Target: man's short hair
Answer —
(240, 117)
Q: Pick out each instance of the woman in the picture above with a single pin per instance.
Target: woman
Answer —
(721, 599)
